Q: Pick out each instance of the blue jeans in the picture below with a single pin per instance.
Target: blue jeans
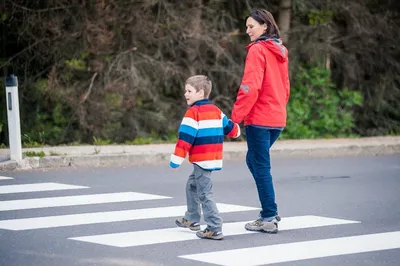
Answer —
(259, 142)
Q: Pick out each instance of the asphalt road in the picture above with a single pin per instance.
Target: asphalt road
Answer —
(336, 211)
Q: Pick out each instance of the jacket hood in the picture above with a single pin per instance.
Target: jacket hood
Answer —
(273, 44)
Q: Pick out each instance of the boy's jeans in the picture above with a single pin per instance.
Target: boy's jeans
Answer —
(259, 142)
(199, 191)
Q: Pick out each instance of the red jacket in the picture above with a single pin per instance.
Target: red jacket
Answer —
(265, 89)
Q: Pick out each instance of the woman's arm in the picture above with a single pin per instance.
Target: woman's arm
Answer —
(251, 83)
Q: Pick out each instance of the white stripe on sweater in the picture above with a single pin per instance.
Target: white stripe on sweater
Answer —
(212, 123)
(190, 122)
(176, 159)
(212, 164)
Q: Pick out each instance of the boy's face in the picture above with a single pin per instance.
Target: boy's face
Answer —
(191, 95)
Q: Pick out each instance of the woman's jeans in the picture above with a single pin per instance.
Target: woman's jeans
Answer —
(259, 142)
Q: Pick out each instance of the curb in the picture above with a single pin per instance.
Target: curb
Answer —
(232, 151)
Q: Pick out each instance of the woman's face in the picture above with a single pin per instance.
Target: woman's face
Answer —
(254, 29)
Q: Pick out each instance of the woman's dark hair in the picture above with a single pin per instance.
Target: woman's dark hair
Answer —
(262, 16)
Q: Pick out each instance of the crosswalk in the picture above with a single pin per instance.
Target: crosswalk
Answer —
(36, 188)
(5, 177)
(158, 236)
(301, 250)
(249, 256)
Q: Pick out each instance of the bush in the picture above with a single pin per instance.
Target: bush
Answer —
(316, 109)
(40, 154)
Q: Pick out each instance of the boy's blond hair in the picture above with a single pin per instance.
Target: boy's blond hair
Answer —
(200, 82)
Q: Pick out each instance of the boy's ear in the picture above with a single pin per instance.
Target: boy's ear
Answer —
(202, 92)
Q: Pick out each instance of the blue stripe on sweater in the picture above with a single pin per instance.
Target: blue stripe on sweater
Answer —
(173, 165)
(207, 132)
(186, 137)
(188, 130)
(209, 140)
(228, 125)
(225, 121)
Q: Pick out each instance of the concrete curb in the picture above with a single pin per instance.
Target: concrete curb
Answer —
(119, 155)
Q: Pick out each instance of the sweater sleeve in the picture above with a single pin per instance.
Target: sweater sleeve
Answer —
(186, 136)
(251, 84)
(231, 129)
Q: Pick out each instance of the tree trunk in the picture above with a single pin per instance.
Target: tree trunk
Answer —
(195, 35)
(285, 12)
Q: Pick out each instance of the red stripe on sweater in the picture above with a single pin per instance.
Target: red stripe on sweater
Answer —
(209, 156)
(206, 148)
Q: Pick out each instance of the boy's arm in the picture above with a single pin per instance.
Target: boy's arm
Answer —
(231, 129)
(186, 136)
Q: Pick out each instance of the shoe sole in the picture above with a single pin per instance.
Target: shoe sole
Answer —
(197, 228)
(263, 230)
(211, 238)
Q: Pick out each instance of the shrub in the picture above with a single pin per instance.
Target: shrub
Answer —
(316, 109)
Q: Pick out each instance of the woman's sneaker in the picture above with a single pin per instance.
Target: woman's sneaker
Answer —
(194, 226)
(267, 227)
(207, 234)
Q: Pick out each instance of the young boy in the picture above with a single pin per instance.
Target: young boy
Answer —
(201, 134)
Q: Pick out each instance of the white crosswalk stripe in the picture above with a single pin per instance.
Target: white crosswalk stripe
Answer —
(5, 178)
(76, 200)
(36, 187)
(249, 256)
(300, 250)
(139, 238)
(105, 217)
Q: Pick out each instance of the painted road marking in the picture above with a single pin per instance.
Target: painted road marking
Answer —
(76, 200)
(265, 255)
(105, 217)
(36, 187)
(148, 237)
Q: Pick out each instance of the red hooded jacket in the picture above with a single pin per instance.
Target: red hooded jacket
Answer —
(265, 88)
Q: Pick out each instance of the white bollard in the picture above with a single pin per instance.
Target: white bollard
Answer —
(14, 125)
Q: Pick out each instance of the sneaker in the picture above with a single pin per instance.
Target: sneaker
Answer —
(207, 234)
(266, 227)
(194, 226)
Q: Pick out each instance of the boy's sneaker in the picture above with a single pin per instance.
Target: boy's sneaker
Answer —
(266, 227)
(194, 226)
(207, 234)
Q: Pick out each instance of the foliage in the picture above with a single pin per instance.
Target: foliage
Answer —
(112, 71)
(98, 141)
(316, 109)
(40, 154)
(28, 142)
(356, 40)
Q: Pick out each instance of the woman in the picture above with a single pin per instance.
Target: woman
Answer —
(261, 103)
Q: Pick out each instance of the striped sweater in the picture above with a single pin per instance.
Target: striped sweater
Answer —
(201, 134)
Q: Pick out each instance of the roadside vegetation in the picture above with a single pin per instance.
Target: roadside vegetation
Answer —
(112, 72)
